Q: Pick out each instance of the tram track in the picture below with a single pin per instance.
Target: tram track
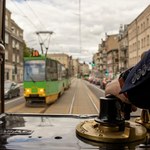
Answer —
(78, 99)
(72, 102)
(89, 98)
(92, 97)
(63, 104)
(92, 101)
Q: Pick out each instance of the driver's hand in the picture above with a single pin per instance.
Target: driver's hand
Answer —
(114, 88)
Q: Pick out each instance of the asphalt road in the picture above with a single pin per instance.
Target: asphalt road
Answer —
(81, 98)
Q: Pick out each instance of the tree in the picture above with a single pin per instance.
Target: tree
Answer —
(26, 50)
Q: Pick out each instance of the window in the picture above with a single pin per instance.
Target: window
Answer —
(13, 43)
(6, 38)
(144, 26)
(138, 44)
(147, 22)
(6, 20)
(17, 32)
(142, 43)
(13, 59)
(147, 40)
(138, 28)
(17, 58)
(34, 70)
(141, 27)
(6, 55)
(13, 29)
(17, 45)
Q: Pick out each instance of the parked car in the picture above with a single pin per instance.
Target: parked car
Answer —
(97, 81)
(11, 90)
(90, 79)
(104, 83)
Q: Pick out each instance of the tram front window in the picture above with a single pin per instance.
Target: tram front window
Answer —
(34, 70)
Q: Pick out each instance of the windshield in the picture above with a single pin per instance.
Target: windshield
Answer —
(60, 52)
(34, 70)
(64, 58)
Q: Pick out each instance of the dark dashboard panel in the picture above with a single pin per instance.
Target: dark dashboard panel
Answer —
(26, 131)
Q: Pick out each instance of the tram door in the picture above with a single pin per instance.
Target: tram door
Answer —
(2, 54)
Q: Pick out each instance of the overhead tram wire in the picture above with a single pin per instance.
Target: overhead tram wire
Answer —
(24, 15)
(31, 41)
(13, 2)
(37, 17)
(39, 36)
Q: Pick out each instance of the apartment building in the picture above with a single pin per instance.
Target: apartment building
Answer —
(112, 46)
(103, 59)
(84, 68)
(107, 58)
(76, 67)
(121, 51)
(139, 36)
(96, 60)
(14, 50)
(123, 48)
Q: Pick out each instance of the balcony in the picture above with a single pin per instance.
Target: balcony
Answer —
(123, 47)
(123, 57)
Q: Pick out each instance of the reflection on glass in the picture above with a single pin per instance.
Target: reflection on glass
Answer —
(34, 70)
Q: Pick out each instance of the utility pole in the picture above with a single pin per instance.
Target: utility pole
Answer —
(80, 42)
(2, 53)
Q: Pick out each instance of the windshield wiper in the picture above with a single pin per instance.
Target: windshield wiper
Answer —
(30, 77)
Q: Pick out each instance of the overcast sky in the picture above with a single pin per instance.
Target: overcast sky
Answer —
(62, 17)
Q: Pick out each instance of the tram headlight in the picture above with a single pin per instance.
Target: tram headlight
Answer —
(41, 91)
(27, 91)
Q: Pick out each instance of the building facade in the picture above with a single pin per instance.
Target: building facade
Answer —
(121, 51)
(96, 61)
(123, 48)
(103, 60)
(84, 69)
(139, 36)
(112, 46)
(14, 50)
(76, 67)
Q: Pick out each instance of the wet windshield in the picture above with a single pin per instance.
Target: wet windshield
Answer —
(61, 56)
(63, 53)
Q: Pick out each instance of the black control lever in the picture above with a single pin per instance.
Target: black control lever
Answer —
(126, 109)
(113, 112)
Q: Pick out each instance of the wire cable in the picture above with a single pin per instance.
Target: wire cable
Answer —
(37, 17)
(24, 15)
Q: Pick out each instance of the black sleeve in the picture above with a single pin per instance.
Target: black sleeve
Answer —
(125, 73)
